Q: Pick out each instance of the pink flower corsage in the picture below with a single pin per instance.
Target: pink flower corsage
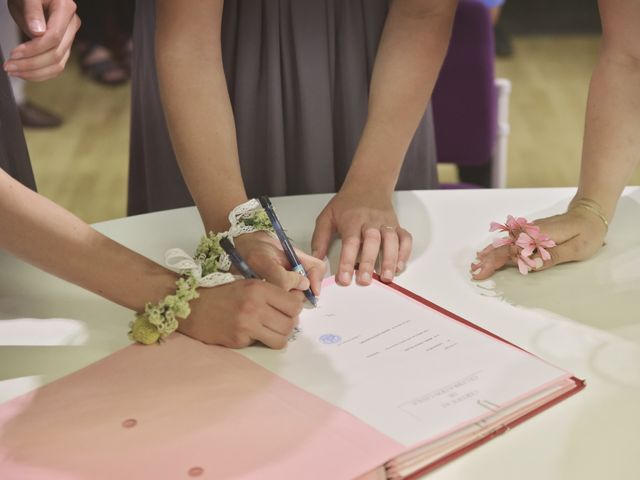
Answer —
(528, 240)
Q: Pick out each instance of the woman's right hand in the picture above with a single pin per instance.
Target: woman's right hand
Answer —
(240, 313)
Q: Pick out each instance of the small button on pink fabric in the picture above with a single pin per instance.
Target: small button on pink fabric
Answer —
(129, 423)
(196, 471)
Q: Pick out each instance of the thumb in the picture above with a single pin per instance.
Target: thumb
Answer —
(34, 17)
(322, 235)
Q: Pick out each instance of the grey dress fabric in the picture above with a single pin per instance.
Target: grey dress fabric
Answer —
(298, 75)
(14, 157)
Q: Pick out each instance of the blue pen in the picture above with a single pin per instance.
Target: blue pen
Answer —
(243, 267)
(290, 253)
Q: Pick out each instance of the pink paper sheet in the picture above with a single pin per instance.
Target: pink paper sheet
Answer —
(182, 410)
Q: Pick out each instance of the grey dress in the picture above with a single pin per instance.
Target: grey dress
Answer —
(14, 158)
(298, 75)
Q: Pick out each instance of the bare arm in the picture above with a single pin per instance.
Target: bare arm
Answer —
(611, 149)
(611, 146)
(49, 237)
(197, 106)
(412, 48)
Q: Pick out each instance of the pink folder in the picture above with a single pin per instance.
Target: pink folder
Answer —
(181, 410)
(187, 410)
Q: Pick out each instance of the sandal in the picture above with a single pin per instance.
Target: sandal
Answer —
(97, 62)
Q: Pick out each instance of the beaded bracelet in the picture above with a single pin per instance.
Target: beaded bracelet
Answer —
(208, 268)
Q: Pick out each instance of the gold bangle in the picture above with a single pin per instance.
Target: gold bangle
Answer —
(593, 207)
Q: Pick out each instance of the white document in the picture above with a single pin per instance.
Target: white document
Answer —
(402, 367)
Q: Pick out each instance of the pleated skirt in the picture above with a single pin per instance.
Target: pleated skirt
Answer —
(298, 74)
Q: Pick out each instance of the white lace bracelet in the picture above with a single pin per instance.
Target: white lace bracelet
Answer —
(210, 262)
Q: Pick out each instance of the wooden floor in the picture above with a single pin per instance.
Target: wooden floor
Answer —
(83, 165)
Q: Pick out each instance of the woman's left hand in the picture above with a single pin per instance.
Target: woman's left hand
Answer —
(367, 224)
(578, 235)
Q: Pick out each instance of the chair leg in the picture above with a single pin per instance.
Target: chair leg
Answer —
(477, 174)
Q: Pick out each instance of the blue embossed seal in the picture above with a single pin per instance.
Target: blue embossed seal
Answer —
(330, 339)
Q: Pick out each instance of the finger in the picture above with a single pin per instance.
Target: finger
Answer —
(390, 246)
(61, 18)
(404, 250)
(369, 254)
(34, 17)
(285, 279)
(279, 322)
(492, 262)
(348, 255)
(45, 73)
(287, 303)
(315, 269)
(270, 338)
(322, 235)
(56, 56)
(485, 251)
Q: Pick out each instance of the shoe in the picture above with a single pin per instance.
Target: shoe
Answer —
(503, 45)
(99, 64)
(33, 116)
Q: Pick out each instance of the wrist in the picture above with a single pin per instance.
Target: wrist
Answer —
(366, 185)
(605, 204)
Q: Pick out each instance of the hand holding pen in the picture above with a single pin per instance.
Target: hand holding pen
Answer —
(288, 249)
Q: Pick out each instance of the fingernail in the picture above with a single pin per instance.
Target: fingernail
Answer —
(400, 267)
(10, 67)
(477, 270)
(365, 277)
(387, 275)
(17, 54)
(36, 26)
(539, 263)
(345, 277)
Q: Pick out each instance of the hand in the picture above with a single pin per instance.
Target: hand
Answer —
(240, 313)
(578, 234)
(366, 223)
(264, 254)
(51, 25)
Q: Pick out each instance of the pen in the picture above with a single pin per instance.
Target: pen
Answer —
(286, 245)
(245, 270)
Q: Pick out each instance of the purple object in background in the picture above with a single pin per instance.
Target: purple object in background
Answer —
(465, 97)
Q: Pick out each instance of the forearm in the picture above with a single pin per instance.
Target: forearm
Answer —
(49, 237)
(611, 148)
(197, 106)
(412, 48)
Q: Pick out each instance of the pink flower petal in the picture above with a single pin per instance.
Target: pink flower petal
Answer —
(522, 266)
(544, 254)
(525, 241)
(531, 262)
(499, 242)
(532, 230)
(495, 226)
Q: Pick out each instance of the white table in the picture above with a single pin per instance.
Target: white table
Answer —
(584, 317)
